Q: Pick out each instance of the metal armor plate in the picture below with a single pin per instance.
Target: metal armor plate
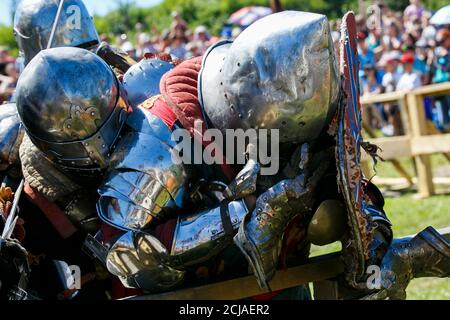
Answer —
(11, 135)
(143, 181)
(142, 80)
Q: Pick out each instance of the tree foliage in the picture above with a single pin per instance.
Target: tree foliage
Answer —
(211, 13)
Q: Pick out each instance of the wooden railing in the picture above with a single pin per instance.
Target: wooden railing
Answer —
(421, 139)
(321, 271)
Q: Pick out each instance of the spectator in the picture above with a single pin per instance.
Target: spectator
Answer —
(409, 79)
(421, 61)
(178, 24)
(366, 55)
(442, 74)
(202, 39)
(392, 40)
(371, 85)
(177, 48)
(8, 82)
(390, 112)
(414, 10)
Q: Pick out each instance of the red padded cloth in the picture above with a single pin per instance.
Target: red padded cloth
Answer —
(179, 90)
(53, 213)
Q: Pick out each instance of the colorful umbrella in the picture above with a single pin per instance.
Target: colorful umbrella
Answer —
(442, 16)
(247, 15)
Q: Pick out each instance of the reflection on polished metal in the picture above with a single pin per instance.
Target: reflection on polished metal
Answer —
(81, 212)
(141, 81)
(201, 236)
(280, 73)
(244, 183)
(143, 182)
(138, 260)
(33, 22)
(11, 134)
(425, 255)
(72, 107)
(328, 224)
(260, 234)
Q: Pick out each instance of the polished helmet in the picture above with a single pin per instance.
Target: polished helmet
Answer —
(72, 107)
(142, 80)
(34, 20)
(280, 73)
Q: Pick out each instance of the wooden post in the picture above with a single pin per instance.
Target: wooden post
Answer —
(419, 128)
(404, 115)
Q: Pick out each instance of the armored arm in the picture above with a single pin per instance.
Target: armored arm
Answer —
(11, 135)
(144, 192)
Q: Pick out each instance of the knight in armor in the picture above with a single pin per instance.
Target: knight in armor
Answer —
(43, 24)
(166, 223)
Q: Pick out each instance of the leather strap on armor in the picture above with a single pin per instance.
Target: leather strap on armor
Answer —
(226, 220)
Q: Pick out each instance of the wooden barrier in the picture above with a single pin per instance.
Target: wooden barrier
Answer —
(322, 271)
(419, 141)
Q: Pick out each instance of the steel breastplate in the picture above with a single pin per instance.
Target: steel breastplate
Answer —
(143, 182)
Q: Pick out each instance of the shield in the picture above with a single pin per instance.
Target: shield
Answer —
(349, 139)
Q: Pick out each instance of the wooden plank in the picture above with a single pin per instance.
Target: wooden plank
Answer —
(317, 269)
(406, 147)
(404, 115)
(392, 147)
(431, 129)
(433, 89)
(430, 144)
(418, 129)
(382, 97)
(397, 165)
(401, 181)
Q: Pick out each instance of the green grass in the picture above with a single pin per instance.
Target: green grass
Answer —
(409, 215)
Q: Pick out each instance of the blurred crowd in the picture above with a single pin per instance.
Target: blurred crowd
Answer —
(8, 75)
(401, 51)
(179, 41)
(397, 51)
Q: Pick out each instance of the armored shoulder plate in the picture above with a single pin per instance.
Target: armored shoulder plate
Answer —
(141, 81)
(144, 181)
(11, 135)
